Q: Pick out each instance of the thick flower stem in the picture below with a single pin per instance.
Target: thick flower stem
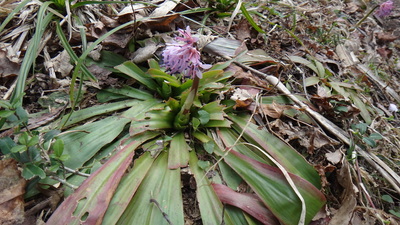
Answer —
(182, 119)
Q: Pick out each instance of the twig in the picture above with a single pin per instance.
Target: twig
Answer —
(76, 172)
(65, 182)
(373, 160)
(152, 200)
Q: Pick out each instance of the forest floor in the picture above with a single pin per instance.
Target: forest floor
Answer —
(357, 89)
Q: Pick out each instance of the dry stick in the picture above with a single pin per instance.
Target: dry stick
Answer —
(379, 165)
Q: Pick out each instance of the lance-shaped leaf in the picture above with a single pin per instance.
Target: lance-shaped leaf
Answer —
(178, 154)
(132, 70)
(153, 120)
(249, 203)
(280, 151)
(271, 186)
(211, 208)
(90, 201)
(127, 188)
(161, 187)
(86, 140)
(171, 80)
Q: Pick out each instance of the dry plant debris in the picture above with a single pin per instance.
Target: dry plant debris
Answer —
(343, 84)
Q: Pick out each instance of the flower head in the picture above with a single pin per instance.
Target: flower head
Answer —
(183, 57)
(385, 9)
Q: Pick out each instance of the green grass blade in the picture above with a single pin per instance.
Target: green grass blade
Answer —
(71, 52)
(31, 53)
(250, 19)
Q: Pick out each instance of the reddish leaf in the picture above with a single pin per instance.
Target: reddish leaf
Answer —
(90, 201)
(249, 203)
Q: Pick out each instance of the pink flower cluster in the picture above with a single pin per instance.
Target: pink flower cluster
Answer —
(385, 9)
(183, 57)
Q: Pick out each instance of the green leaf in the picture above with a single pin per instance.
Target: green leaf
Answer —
(387, 198)
(87, 113)
(204, 116)
(24, 138)
(132, 70)
(209, 147)
(33, 141)
(83, 142)
(58, 147)
(311, 81)
(280, 151)
(127, 188)
(124, 92)
(362, 107)
(250, 19)
(265, 179)
(6, 144)
(160, 185)
(369, 141)
(203, 164)
(18, 148)
(90, 201)
(195, 123)
(50, 135)
(375, 136)
(396, 213)
(31, 170)
(211, 208)
(178, 154)
(6, 113)
(247, 202)
(165, 77)
(362, 127)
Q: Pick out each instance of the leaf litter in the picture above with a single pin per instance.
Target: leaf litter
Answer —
(366, 58)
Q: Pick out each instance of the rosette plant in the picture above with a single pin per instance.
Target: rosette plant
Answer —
(177, 125)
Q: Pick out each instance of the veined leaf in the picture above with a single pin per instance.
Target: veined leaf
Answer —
(88, 139)
(87, 113)
(361, 106)
(153, 120)
(90, 201)
(210, 206)
(178, 154)
(156, 73)
(280, 151)
(271, 186)
(127, 188)
(160, 185)
(132, 70)
(249, 203)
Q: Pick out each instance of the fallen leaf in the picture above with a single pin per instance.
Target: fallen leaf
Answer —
(274, 110)
(12, 189)
(243, 30)
(348, 198)
(7, 67)
(334, 157)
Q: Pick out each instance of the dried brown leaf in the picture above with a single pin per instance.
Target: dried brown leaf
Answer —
(12, 189)
(7, 67)
(274, 110)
